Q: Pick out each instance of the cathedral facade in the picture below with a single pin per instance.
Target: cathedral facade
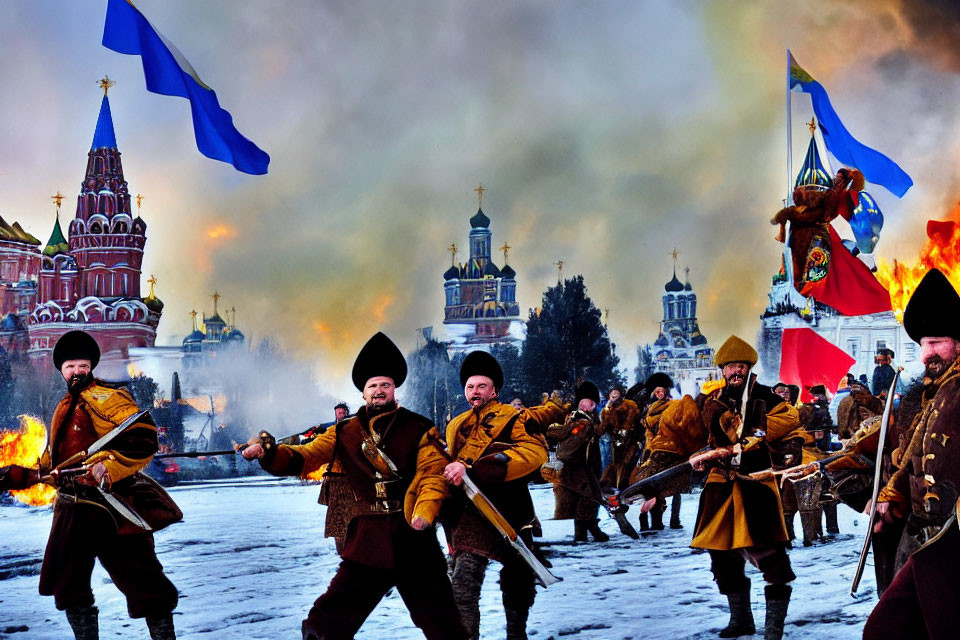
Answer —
(480, 298)
(88, 279)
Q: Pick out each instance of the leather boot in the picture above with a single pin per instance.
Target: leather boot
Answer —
(579, 531)
(84, 622)
(516, 623)
(656, 516)
(809, 521)
(778, 597)
(830, 513)
(675, 513)
(594, 528)
(161, 627)
(644, 522)
(741, 616)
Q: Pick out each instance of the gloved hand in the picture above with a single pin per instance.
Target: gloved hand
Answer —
(491, 468)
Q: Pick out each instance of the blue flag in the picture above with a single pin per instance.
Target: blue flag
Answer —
(167, 72)
(876, 167)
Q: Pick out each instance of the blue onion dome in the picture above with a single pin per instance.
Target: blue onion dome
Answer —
(507, 272)
(480, 219)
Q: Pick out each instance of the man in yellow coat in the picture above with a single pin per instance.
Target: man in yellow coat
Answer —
(395, 473)
(500, 446)
(739, 518)
(83, 529)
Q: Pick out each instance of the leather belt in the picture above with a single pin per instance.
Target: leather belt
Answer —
(386, 506)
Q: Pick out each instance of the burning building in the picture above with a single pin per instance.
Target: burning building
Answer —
(88, 279)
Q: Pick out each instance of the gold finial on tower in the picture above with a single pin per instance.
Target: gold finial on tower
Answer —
(233, 316)
(480, 191)
(152, 280)
(675, 253)
(812, 125)
(686, 273)
(559, 265)
(506, 250)
(216, 298)
(105, 83)
(193, 316)
(606, 315)
(453, 254)
(139, 202)
(58, 199)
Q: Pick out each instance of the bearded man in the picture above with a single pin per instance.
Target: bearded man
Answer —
(83, 529)
(393, 471)
(740, 518)
(500, 447)
(923, 490)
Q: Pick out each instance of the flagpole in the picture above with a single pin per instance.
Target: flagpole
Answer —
(789, 137)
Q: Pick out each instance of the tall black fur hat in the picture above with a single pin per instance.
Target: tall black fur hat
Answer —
(587, 390)
(481, 363)
(934, 309)
(659, 379)
(379, 357)
(76, 345)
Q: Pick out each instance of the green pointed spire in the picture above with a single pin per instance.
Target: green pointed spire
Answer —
(57, 243)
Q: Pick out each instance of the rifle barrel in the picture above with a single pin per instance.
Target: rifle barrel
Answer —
(194, 454)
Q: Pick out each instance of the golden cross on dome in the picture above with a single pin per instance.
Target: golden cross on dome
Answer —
(480, 191)
(216, 298)
(813, 125)
(58, 199)
(453, 254)
(139, 202)
(506, 249)
(193, 316)
(559, 265)
(152, 281)
(105, 83)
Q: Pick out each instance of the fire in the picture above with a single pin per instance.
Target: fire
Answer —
(23, 448)
(316, 474)
(942, 251)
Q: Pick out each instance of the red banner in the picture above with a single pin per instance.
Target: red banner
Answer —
(806, 360)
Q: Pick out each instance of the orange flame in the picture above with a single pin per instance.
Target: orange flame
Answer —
(316, 474)
(23, 448)
(941, 251)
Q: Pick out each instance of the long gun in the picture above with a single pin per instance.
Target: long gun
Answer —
(194, 454)
(652, 487)
(494, 517)
(877, 472)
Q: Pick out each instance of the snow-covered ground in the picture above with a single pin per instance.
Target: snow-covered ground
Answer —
(250, 558)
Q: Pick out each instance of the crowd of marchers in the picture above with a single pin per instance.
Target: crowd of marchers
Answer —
(757, 455)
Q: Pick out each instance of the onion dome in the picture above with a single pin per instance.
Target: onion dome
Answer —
(57, 243)
(215, 319)
(452, 273)
(812, 174)
(507, 272)
(674, 285)
(235, 334)
(491, 269)
(153, 303)
(480, 219)
(195, 337)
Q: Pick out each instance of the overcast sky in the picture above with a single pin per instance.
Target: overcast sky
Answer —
(605, 133)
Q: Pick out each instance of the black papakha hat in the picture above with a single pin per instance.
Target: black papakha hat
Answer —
(934, 309)
(379, 357)
(76, 345)
(659, 379)
(481, 363)
(587, 390)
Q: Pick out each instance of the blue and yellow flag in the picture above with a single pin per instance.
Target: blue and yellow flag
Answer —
(167, 72)
(876, 167)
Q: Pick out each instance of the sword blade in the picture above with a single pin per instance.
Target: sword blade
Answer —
(124, 510)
